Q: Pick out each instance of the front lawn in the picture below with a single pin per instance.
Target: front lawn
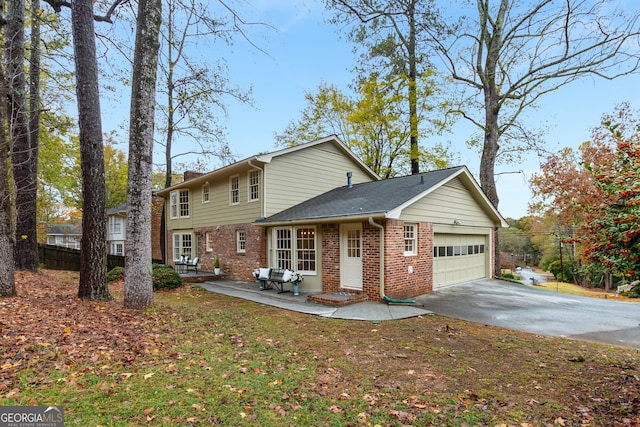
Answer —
(201, 359)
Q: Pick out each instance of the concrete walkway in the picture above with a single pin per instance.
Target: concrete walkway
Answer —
(371, 311)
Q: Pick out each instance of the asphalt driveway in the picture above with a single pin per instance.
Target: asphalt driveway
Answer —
(530, 309)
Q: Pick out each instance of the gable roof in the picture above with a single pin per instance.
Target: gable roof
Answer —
(262, 159)
(385, 198)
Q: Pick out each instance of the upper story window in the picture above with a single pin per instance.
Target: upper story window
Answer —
(205, 193)
(179, 204)
(234, 190)
(115, 225)
(410, 239)
(254, 185)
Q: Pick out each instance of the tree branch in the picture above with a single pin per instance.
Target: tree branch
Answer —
(57, 6)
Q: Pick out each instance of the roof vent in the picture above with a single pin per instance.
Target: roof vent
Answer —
(421, 179)
(349, 184)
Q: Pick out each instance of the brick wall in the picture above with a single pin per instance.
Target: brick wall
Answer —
(370, 262)
(330, 258)
(157, 207)
(399, 282)
(233, 264)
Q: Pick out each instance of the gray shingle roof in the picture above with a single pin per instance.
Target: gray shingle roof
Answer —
(369, 198)
(64, 229)
(121, 208)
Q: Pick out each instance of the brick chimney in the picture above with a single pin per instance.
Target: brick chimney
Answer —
(191, 174)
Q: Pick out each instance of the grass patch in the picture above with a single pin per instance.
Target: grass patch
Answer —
(570, 288)
(201, 359)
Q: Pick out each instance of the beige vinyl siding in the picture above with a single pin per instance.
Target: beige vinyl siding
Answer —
(452, 201)
(304, 174)
(219, 210)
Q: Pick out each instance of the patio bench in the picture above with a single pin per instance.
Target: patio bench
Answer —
(275, 277)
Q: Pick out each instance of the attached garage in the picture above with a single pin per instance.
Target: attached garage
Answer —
(459, 258)
(400, 237)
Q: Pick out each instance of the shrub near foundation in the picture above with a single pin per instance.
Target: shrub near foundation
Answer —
(164, 276)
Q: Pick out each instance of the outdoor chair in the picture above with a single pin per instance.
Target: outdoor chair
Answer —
(193, 264)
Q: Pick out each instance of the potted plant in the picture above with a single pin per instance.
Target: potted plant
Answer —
(216, 266)
(296, 278)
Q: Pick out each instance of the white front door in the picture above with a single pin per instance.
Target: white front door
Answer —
(351, 256)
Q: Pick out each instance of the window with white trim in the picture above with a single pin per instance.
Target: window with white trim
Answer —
(410, 239)
(295, 249)
(254, 185)
(115, 225)
(205, 193)
(241, 241)
(179, 201)
(234, 190)
(182, 245)
(283, 248)
(306, 249)
(173, 203)
(208, 238)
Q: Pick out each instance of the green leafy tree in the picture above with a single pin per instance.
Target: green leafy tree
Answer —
(569, 197)
(55, 156)
(115, 175)
(505, 55)
(612, 242)
(391, 38)
(374, 124)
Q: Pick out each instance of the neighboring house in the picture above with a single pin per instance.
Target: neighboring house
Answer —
(319, 210)
(116, 229)
(65, 235)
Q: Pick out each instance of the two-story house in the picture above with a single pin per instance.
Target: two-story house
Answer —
(319, 210)
(64, 235)
(116, 229)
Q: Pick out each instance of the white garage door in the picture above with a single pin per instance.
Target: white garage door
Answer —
(459, 258)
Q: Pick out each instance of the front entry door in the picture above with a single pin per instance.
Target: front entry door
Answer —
(351, 256)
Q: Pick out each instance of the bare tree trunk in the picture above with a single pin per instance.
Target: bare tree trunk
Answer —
(413, 89)
(170, 103)
(492, 110)
(93, 250)
(34, 75)
(7, 281)
(138, 285)
(24, 154)
(487, 166)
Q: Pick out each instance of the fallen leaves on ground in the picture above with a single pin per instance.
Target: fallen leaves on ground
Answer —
(47, 327)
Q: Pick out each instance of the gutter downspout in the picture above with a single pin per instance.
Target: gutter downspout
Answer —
(382, 295)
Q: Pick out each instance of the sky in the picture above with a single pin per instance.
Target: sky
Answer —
(304, 51)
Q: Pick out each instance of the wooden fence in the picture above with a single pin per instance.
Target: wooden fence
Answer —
(61, 258)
